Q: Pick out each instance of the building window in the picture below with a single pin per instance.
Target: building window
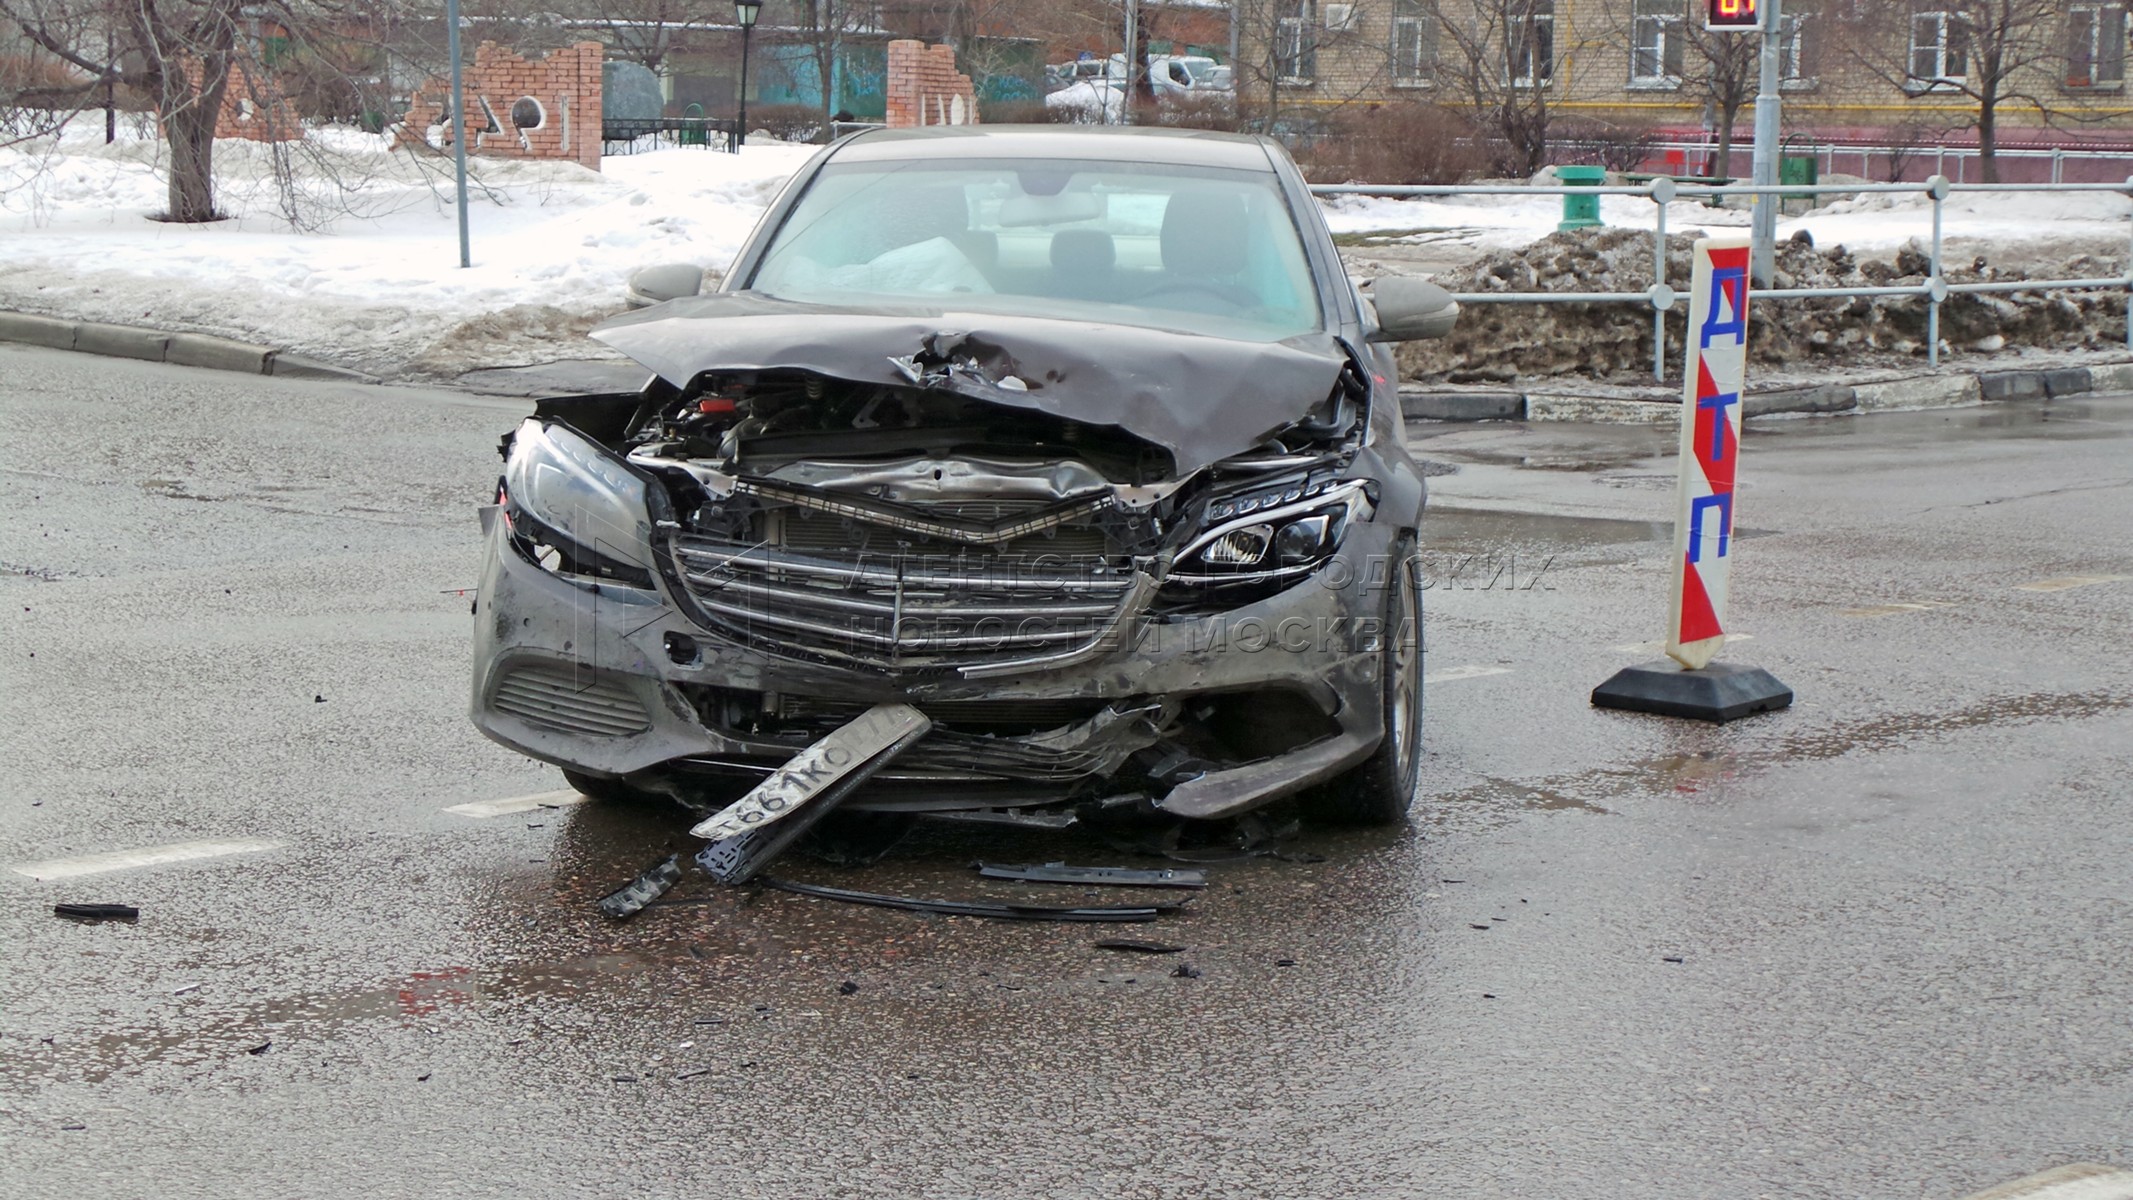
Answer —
(1795, 52)
(2096, 45)
(1296, 45)
(1529, 33)
(1414, 42)
(1940, 49)
(1655, 46)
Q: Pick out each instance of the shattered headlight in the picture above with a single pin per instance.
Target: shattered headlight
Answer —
(1278, 531)
(575, 509)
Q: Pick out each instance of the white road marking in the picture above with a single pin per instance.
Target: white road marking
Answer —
(1890, 610)
(150, 856)
(2079, 1181)
(482, 810)
(2069, 581)
(1660, 647)
(1454, 674)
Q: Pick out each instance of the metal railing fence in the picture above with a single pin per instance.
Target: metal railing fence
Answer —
(1934, 288)
(1874, 160)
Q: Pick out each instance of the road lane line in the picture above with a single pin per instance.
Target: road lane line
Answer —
(1454, 674)
(149, 856)
(1891, 610)
(2078, 1181)
(2065, 582)
(482, 810)
(1660, 647)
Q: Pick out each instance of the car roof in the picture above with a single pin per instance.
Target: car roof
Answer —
(1118, 143)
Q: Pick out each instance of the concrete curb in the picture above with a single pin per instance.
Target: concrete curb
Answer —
(180, 349)
(1956, 389)
(1948, 389)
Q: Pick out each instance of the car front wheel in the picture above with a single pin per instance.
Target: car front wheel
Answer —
(1381, 790)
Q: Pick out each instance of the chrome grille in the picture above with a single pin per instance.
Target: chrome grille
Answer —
(799, 529)
(574, 700)
(966, 608)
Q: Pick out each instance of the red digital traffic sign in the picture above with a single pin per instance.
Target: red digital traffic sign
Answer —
(1733, 14)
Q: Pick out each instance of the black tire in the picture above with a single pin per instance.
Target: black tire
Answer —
(1380, 791)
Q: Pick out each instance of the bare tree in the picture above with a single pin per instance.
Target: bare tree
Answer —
(1504, 60)
(825, 27)
(1729, 71)
(1992, 53)
(1671, 50)
(180, 53)
(1292, 52)
(39, 94)
(647, 31)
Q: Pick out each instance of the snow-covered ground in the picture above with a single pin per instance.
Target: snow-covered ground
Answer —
(1870, 222)
(359, 263)
(373, 277)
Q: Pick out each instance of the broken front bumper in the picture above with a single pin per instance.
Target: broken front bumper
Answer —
(1209, 714)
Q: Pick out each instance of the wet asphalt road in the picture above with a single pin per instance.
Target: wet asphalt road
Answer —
(1899, 910)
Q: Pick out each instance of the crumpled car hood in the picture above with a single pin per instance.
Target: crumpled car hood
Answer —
(1202, 398)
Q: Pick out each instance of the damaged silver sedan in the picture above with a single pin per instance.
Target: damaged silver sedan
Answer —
(1080, 443)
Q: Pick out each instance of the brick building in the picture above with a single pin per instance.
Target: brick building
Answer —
(1852, 75)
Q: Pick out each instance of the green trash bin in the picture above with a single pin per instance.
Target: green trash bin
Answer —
(697, 134)
(1802, 170)
(1580, 212)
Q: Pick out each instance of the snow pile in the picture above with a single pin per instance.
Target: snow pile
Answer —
(346, 250)
(1498, 343)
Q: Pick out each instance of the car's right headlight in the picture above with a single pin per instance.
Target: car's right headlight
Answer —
(565, 495)
(1278, 533)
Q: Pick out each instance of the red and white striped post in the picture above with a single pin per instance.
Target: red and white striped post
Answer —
(1714, 377)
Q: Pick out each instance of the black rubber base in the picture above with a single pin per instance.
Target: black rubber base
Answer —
(1720, 692)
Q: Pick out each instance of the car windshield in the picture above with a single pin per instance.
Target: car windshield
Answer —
(1197, 249)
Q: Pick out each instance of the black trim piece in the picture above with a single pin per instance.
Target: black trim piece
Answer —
(977, 908)
(1108, 876)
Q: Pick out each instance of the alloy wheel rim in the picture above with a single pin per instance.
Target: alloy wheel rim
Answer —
(1406, 640)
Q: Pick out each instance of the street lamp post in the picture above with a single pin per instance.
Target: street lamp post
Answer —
(744, 11)
(458, 127)
(1763, 235)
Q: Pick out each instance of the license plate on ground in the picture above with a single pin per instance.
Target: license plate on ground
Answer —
(814, 770)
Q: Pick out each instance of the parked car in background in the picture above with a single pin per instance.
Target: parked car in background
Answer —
(1180, 75)
(1168, 74)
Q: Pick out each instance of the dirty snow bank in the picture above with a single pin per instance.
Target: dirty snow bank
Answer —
(358, 261)
(1502, 342)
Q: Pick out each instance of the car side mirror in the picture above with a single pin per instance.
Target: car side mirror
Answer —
(1410, 309)
(668, 281)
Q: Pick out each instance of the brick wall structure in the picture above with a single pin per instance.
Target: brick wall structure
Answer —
(518, 107)
(924, 88)
(253, 105)
(1838, 87)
